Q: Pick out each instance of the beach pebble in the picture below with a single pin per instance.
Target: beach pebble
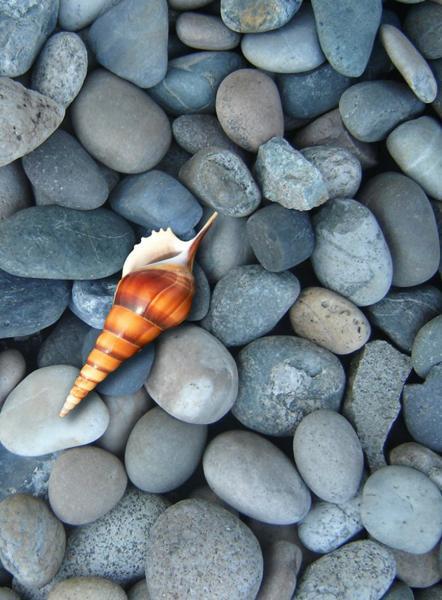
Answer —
(76, 14)
(427, 347)
(423, 25)
(372, 402)
(282, 562)
(280, 238)
(419, 457)
(399, 591)
(12, 371)
(221, 180)
(286, 177)
(119, 124)
(198, 546)
(351, 256)
(340, 169)
(254, 16)
(81, 588)
(402, 508)
(29, 420)
(63, 345)
(163, 452)
(15, 191)
(195, 132)
(270, 294)
(416, 146)
(205, 32)
(406, 218)
(92, 300)
(62, 172)
(283, 378)
(33, 541)
(330, 320)
(249, 108)
(436, 67)
(417, 570)
(173, 160)
(201, 299)
(194, 377)
(204, 492)
(371, 109)
(25, 474)
(255, 477)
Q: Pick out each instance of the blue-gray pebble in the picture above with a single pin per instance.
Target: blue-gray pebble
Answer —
(201, 299)
(92, 300)
(25, 474)
(427, 347)
(254, 16)
(423, 25)
(63, 345)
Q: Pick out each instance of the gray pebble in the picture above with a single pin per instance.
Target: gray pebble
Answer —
(282, 562)
(173, 160)
(138, 591)
(419, 457)
(205, 32)
(76, 14)
(201, 300)
(63, 345)
(92, 300)
(195, 132)
(340, 169)
(423, 25)
(12, 371)
(15, 191)
(8, 594)
(25, 474)
(427, 347)
(432, 593)
(79, 588)
(254, 16)
(436, 67)
(204, 492)
(399, 591)
(417, 570)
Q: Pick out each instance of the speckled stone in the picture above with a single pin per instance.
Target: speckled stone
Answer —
(423, 25)
(83, 588)
(205, 32)
(92, 300)
(254, 16)
(419, 457)
(12, 371)
(427, 347)
(63, 345)
(195, 132)
(15, 191)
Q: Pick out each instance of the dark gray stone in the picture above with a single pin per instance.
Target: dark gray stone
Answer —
(173, 160)
(201, 299)
(423, 25)
(255, 16)
(24, 475)
(437, 209)
(54, 242)
(427, 347)
(280, 238)
(399, 591)
(63, 345)
(29, 305)
(92, 300)
(436, 66)
(15, 191)
(195, 132)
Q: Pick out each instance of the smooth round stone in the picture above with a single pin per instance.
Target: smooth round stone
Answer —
(8, 594)
(29, 421)
(307, 95)
(419, 457)
(119, 124)
(282, 563)
(192, 80)
(195, 132)
(76, 14)
(423, 25)
(427, 347)
(260, 299)
(29, 305)
(280, 238)
(287, 178)
(399, 591)
(201, 300)
(204, 492)
(205, 32)
(25, 25)
(401, 314)
(362, 569)
(15, 191)
(63, 173)
(330, 320)
(340, 169)
(255, 16)
(63, 345)
(25, 475)
(371, 109)
(163, 452)
(130, 39)
(283, 378)
(52, 244)
(92, 300)
(198, 546)
(255, 477)
(12, 371)
(221, 180)
(406, 218)
(138, 591)
(33, 541)
(81, 588)
(293, 48)
(328, 455)
(417, 570)
(402, 508)
(416, 146)
(249, 108)
(27, 119)
(351, 256)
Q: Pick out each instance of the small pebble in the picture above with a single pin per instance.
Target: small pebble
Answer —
(195, 132)
(254, 16)
(83, 588)
(427, 347)
(12, 371)
(423, 25)
(173, 160)
(25, 475)
(205, 32)
(419, 457)
(63, 345)
(417, 570)
(15, 191)
(436, 67)
(340, 169)
(92, 300)
(201, 299)
(399, 591)
(76, 14)
(282, 562)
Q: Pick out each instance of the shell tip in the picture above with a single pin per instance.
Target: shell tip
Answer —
(69, 404)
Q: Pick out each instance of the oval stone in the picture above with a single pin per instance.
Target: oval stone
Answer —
(253, 16)
(15, 191)
(97, 588)
(419, 457)
(76, 14)
(195, 132)
(205, 32)
(427, 347)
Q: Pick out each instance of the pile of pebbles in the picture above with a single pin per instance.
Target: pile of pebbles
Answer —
(284, 442)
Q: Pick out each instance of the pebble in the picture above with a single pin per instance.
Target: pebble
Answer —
(423, 411)
(201, 299)
(436, 66)
(29, 305)
(280, 238)
(205, 493)
(76, 14)
(192, 80)
(437, 209)
(423, 25)
(415, 524)
(25, 475)
(406, 218)
(195, 132)
(173, 160)
(347, 32)
(283, 378)
(62, 172)
(52, 245)
(138, 591)
(33, 541)
(289, 179)
(308, 95)
(427, 347)
(255, 16)
(293, 48)
(371, 109)
(194, 377)
(8, 594)
(362, 569)
(282, 562)
(330, 320)
(163, 452)
(260, 299)
(351, 256)
(15, 191)
(372, 402)
(25, 28)
(400, 315)
(201, 549)
(92, 300)
(29, 420)
(12, 371)
(417, 570)
(419, 457)
(340, 169)
(27, 119)
(63, 344)
(81, 588)
(205, 32)
(328, 455)
(416, 146)
(249, 108)
(119, 124)
(399, 591)
(220, 179)
(156, 200)
(130, 39)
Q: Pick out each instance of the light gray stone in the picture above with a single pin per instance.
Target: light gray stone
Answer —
(80, 588)
(419, 457)
(12, 371)
(76, 14)
(427, 347)
(205, 32)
